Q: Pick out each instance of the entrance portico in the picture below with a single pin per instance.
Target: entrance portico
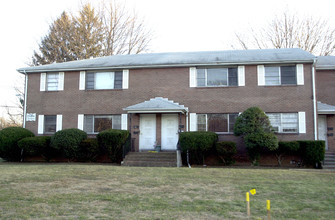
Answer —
(156, 122)
(326, 125)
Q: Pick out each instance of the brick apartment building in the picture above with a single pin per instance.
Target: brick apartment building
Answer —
(156, 96)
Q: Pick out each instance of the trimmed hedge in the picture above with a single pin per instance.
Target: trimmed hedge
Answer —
(284, 148)
(9, 138)
(35, 146)
(88, 150)
(312, 152)
(111, 142)
(226, 151)
(68, 141)
(197, 143)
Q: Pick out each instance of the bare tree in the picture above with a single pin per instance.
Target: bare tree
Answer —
(288, 30)
(110, 30)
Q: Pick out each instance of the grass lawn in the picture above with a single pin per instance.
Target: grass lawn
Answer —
(85, 191)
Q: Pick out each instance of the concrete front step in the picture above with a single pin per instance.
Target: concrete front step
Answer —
(149, 159)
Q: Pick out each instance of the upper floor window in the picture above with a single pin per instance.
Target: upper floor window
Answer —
(216, 122)
(212, 77)
(104, 80)
(97, 123)
(52, 81)
(284, 122)
(273, 75)
(280, 75)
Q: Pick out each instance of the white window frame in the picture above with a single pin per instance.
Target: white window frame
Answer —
(261, 75)
(206, 77)
(280, 127)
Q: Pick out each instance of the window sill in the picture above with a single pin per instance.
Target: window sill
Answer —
(280, 85)
(89, 90)
(215, 87)
(224, 133)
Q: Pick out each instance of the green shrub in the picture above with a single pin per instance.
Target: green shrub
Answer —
(197, 143)
(38, 146)
(34, 146)
(67, 141)
(111, 142)
(285, 147)
(88, 150)
(226, 151)
(312, 152)
(9, 138)
(255, 128)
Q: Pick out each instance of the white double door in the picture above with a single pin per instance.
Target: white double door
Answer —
(169, 131)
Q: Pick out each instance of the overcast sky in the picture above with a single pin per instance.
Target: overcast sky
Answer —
(178, 25)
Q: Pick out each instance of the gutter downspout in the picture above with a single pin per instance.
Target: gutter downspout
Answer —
(25, 99)
(314, 100)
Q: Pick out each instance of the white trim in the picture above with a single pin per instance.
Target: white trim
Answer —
(241, 75)
(40, 124)
(314, 102)
(25, 100)
(261, 75)
(125, 79)
(43, 81)
(61, 81)
(82, 80)
(81, 122)
(59, 122)
(124, 121)
(302, 122)
(193, 121)
(300, 74)
(193, 77)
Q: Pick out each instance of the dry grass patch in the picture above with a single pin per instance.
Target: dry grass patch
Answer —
(86, 191)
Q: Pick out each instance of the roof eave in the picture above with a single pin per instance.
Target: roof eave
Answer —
(155, 110)
(23, 70)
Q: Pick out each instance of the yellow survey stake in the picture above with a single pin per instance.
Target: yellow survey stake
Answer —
(268, 205)
(247, 197)
(253, 191)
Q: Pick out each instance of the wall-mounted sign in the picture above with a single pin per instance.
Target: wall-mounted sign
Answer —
(31, 117)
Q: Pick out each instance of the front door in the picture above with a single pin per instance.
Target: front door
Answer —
(147, 131)
(322, 129)
(169, 131)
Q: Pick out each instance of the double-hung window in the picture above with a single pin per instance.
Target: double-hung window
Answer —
(216, 122)
(284, 122)
(212, 77)
(280, 75)
(52, 81)
(96, 123)
(50, 124)
(104, 80)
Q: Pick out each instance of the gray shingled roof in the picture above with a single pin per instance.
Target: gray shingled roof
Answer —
(324, 108)
(180, 59)
(325, 62)
(157, 104)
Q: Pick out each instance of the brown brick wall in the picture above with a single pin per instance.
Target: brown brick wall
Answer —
(325, 87)
(171, 83)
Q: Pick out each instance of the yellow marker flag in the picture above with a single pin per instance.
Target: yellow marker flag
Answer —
(253, 191)
(247, 197)
(268, 205)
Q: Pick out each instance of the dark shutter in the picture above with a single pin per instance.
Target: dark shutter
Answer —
(232, 76)
(288, 75)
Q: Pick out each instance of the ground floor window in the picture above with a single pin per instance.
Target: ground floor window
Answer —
(50, 122)
(216, 122)
(97, 123)
(284, 122)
